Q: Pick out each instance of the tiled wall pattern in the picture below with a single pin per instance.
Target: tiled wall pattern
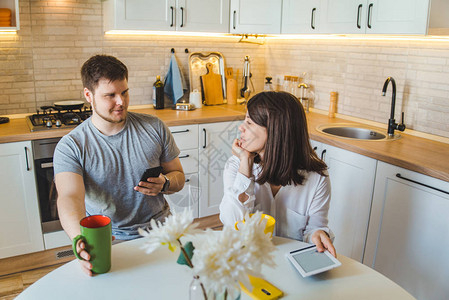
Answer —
(16, 67)
(357, 69)
(41, 64)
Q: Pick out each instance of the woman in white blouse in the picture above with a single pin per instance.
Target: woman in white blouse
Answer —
(275, 170)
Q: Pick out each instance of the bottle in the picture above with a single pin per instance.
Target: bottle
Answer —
(158, 93)
(268, 84)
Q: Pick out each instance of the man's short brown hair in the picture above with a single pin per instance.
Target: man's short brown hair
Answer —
(102, 66)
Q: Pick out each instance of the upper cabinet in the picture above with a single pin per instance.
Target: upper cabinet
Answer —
(275, 16)
(374, 16)
(300, 16)
(397, 17)
(10, 22)
(255, 16)
(167, 15)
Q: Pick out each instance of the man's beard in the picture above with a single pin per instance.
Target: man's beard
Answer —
(107, 118)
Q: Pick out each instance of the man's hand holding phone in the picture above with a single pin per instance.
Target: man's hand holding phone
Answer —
(152, 182)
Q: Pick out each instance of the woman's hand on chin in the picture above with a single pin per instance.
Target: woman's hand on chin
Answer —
(323, 242)
(240, 152)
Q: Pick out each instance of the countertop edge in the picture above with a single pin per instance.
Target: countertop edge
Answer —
(215, 114)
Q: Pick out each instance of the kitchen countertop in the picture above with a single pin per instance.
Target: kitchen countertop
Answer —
(410, 152)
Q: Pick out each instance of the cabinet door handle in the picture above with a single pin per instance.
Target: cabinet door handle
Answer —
(204, 132)
(187, 180)
(323, 154)
(180, 131)
(369, 15)
(233, 19)
(26, 158)
(172, 11)
(358, 16)
(184, 156)
(315, 148)
(398, 175)
(182, 16)
(312, 19)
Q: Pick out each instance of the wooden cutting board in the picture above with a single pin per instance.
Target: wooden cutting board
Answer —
(212, 87)
(231, 87)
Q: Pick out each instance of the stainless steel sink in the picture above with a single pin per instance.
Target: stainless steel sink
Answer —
(355, 131)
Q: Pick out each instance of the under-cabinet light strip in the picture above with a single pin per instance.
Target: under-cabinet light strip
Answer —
(287, 36)
(8, 31)
(174, 33)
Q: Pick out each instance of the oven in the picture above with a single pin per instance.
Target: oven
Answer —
(43, 151)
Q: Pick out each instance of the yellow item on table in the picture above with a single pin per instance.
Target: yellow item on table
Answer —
(262, 289)
(269, 227)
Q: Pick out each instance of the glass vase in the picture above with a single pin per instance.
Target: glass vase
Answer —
(231, 293)
(196, 290)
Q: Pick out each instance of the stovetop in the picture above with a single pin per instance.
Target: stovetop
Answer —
(48, 119)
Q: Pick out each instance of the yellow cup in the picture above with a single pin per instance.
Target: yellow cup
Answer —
(269, 227)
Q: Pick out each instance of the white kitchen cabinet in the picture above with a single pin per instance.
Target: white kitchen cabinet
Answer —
(408, 233)
(397, 17)
(255, 16)
(215, 149)
(167, 15)
(187, 198)
(343, 16)
(352, 180)
(20, 225)
(186, 138)
(300, 16)
(200, 15)
(374, 16)
(13, 5)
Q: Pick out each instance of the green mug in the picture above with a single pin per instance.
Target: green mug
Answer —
(96, 233)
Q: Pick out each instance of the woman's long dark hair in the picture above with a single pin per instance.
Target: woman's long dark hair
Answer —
(287, 150)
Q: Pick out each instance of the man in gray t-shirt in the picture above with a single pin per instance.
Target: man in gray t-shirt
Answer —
(98, 165)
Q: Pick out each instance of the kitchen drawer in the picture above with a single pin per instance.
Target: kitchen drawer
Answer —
(186, 137)
(188, 197)
(189, 160)
(56, 239)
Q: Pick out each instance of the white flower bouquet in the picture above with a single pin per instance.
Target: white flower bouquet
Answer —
(220, 259)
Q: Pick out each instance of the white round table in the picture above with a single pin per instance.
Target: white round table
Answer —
(137, 275)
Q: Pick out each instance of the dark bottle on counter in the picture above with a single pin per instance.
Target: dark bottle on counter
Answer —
(158, 93)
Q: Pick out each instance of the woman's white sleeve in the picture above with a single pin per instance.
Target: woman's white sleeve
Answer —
(235, 183)
(319, 209)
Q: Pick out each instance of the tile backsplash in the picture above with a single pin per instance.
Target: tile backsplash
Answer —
(40, 65)
(357, 70)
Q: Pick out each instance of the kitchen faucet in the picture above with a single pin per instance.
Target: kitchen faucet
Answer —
(392, 125)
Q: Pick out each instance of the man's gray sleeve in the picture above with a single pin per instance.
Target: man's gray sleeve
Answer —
(66, 157)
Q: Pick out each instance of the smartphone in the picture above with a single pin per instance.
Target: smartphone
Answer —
(262, 289)
(152, 172)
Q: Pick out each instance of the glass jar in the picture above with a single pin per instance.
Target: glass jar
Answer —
(294, 85)
(286, 84)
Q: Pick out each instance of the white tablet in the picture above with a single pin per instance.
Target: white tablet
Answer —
(308, 261)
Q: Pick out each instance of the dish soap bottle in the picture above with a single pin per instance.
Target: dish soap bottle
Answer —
(158, 93)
